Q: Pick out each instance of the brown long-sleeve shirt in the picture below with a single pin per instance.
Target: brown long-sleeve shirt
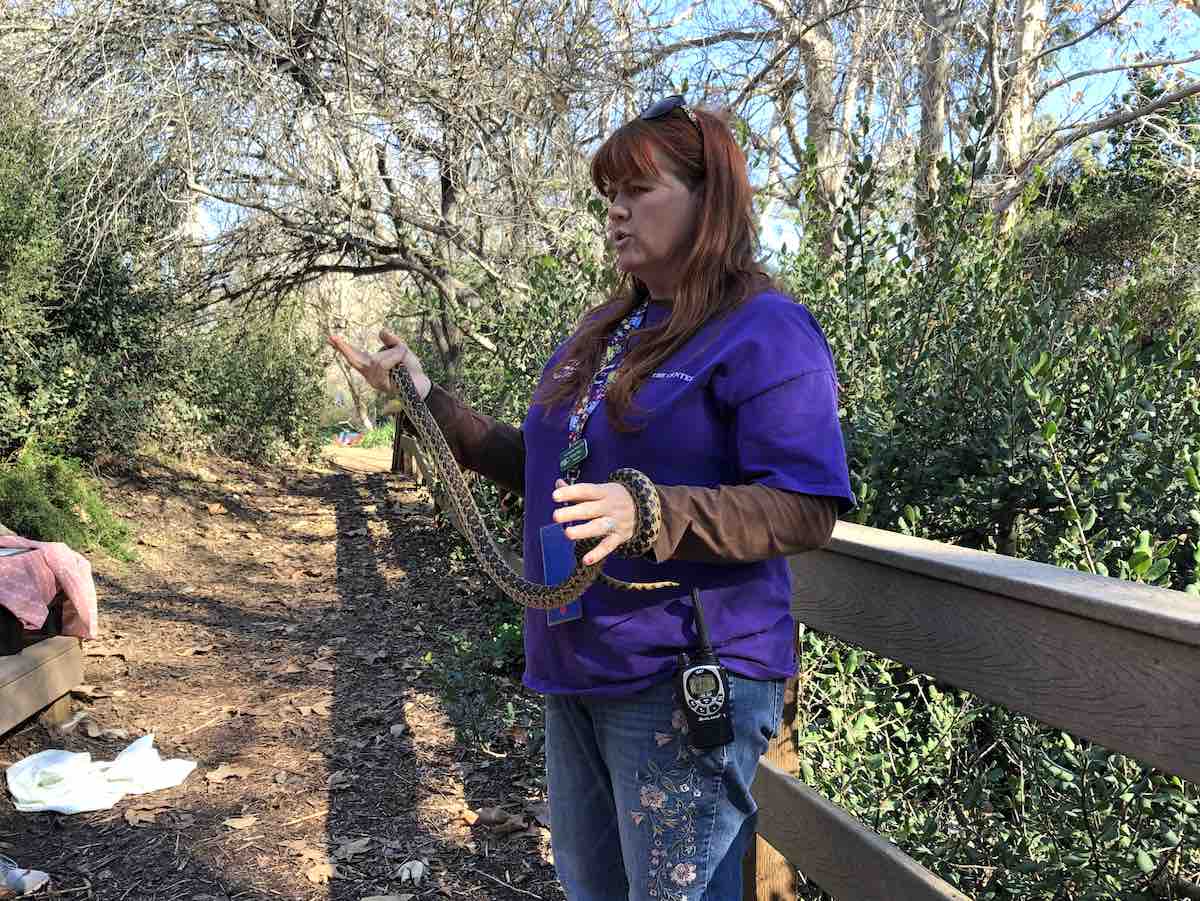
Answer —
(729, 523)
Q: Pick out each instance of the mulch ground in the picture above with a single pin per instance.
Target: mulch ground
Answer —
(311, 639)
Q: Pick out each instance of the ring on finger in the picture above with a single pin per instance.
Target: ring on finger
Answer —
(610, 525)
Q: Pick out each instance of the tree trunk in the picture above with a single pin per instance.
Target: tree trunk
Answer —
(1016, 114)
(819, 56)
(361, 411)
(935, 77)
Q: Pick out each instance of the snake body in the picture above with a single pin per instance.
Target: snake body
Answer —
(515, 586)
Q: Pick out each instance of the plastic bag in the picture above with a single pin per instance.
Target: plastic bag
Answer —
(63, 782)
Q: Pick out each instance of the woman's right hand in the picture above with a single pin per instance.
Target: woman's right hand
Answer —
(376, 368)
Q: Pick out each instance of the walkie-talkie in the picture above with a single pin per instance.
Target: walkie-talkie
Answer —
(703, 689)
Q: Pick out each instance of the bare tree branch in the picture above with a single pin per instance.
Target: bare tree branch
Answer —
(1099, 25)
(1080, 131)
(1125, 67)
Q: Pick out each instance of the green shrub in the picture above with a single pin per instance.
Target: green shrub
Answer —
(80, 341)
(991, 399)
(51, 498)
(250, 389)
(383, 435)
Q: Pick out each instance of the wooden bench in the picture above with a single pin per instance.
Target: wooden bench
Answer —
(39, 677)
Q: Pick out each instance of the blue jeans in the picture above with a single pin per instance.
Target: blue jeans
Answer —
(636, 812)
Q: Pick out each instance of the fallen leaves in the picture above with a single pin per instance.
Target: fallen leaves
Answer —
(498, 820)
(83, 721)
(306, 851)
(320, 708)
(227, 771)
(349, 849)
(260, 710)
(318, 867)
(320, 873)
(240, 822)
(140, 816)
(89, 692)
(412, 872)
(324, 662)
(372, 656)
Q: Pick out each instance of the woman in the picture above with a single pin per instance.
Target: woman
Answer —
(721, 391)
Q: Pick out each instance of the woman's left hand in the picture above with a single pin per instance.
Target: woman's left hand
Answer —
(600, 511)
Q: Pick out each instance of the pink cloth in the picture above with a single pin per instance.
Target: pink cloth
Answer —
(29, 582)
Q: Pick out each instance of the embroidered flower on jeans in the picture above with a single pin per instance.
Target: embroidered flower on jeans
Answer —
(683, 874)
(669, 793)
(653, 797)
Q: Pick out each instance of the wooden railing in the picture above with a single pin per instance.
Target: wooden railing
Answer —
(1115, 662)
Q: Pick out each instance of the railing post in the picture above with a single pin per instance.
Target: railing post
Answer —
(766, 874)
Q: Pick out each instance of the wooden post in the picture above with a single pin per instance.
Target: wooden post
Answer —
(766, 874)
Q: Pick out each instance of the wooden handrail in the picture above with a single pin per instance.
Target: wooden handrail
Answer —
(1129, 605)
(1123, 670)
(1115, 662)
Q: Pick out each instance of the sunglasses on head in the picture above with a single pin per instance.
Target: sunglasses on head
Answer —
(663, 108)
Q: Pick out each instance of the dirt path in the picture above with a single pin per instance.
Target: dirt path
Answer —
(315, 640)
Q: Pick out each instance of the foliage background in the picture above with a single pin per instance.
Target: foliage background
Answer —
(1024, 384)
(99, 360)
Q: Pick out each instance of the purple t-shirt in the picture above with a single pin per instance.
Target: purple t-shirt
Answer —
(751, 398)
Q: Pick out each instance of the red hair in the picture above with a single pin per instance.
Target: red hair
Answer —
(719, 273)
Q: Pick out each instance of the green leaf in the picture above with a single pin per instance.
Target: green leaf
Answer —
(1158, 569)
(1042, 363)
(1049, 430)
(806, 770)
(1144, 862)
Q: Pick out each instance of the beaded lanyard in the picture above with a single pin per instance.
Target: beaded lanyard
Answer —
(577, 450)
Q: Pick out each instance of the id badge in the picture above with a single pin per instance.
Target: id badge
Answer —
(558, 562)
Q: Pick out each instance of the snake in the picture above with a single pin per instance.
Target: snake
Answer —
(483, 545)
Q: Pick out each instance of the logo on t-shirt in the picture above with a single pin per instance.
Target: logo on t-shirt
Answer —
(675, 374)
